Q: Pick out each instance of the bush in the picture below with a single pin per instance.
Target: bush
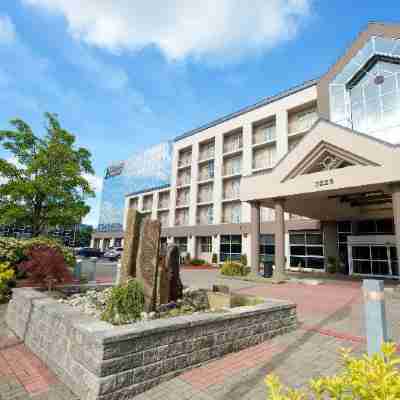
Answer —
(7, 275)
(368, 378)
(14, 251)
(243, 259)
(234, 269)
(45, 265)
(197, 261)
(214, 258)
(333, 265)
(125, 303)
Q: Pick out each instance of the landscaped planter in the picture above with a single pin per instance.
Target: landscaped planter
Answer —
(100, 361)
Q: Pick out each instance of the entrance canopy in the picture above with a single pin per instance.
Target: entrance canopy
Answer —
(333, 173)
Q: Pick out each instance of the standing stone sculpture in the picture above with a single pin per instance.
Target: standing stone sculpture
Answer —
(131, 245)
(148, 259)
(172, 265)
(163, 281)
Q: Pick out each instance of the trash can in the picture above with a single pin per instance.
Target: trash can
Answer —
(268, 270)
(78, 270)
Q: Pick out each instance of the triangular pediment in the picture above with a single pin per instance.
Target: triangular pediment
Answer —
(325, 157)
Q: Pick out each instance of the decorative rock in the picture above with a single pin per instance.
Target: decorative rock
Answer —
(131, 244)
(172, 265)
(147, 260)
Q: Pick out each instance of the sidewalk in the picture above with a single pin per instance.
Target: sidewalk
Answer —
(331, 318)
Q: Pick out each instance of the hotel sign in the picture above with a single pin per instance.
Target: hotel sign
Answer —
(114, 170)
(324, 182)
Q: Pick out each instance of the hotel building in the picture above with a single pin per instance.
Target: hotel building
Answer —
(302, 178)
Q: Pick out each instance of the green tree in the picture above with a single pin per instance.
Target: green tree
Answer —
(44, 186)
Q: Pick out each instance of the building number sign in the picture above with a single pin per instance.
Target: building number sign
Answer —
(324, 182)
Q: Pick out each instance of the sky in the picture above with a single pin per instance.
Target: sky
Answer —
(124, 75)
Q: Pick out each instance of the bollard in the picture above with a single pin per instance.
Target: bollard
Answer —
(375, 315)
(91, 269)
(78, 270)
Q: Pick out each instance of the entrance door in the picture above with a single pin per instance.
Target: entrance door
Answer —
(373, 260)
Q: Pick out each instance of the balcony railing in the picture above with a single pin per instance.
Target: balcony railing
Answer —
(302, 124)
(232, 169)
(206, 154)
(205, 219)
(184, 161)
(206, 174)
(205, 197)
(233, 145)
(163, 204)
(181, 221)
(147, 206)
(182, 201)
(231, 194)
(183, 180)
(267, 134)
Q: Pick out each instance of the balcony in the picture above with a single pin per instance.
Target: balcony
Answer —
(205, 198)
(232, 145)
(147, 207)
(183, 181)
(184, 162)
(163, 204)
(266, 134)
(205, 219)
(206, 154)
(182, 201)
(232, 170)
(302, 121)
(181, 221)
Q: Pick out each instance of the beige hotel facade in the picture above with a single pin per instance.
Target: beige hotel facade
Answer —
(299, 179)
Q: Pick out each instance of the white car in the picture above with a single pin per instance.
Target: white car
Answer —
(113, 254)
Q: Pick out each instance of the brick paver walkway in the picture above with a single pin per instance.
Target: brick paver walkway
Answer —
(331, 317)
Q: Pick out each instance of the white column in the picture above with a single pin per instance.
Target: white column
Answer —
(255, 237)
(282, 133)
(218, 178)
(191, 246)
(247, 159)
(279, 239)
(172, 195)
(155, 206)
(216, 245)
(126, 206)
(194, 179)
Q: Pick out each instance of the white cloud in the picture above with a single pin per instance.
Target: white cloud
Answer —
(7, 30)
(95, 182)
(181, 28)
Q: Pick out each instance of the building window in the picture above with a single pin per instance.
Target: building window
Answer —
(264, 158)
(264, 133)
(302, 120)
(231, 189)
(206, 244)
(306, 249)
(185, 157)
(232, 165)
(163, 217)
(233, 142)
(206, 150)
(267, 248)
(365, 95)
(231, 213)
(230, 248)
(181, 242)
(117, 242)
(148, 202)
(205, 215)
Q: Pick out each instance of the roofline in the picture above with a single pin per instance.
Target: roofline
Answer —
(152, 189)
(261, 103)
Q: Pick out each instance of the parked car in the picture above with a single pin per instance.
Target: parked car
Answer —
(113, 254)
(89, 252)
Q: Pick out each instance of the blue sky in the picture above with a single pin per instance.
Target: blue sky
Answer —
(127, 74)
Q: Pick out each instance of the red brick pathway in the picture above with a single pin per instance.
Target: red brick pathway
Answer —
(218, 371)
(16, 361)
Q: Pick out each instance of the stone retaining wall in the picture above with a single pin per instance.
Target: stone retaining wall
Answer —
(100, 361)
